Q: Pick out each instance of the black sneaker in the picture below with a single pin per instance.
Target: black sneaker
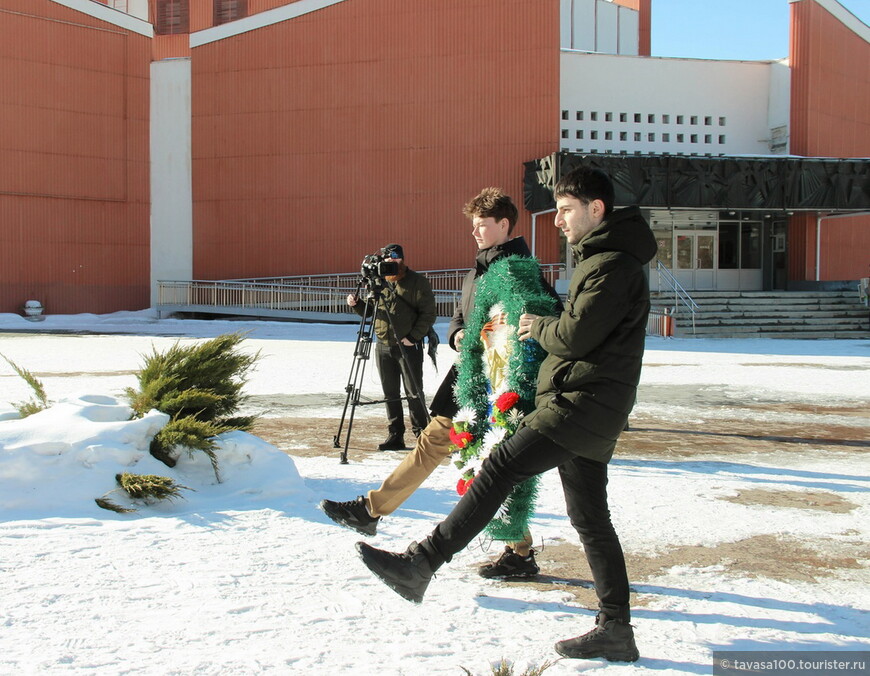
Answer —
(611, 639)
(352, 514)
(510, 565)
(408, 574)
(394, 442)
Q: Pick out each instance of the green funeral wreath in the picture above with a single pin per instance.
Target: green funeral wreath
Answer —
(512, 285)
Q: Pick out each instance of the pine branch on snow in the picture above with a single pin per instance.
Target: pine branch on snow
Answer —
(200, 387)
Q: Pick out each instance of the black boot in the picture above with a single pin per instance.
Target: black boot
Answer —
(510, 565)
(395, 442)
(352, 514)
(611, 639)
(408, 574)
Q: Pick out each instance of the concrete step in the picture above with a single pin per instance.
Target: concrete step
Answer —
(814, 314)
(809, 313)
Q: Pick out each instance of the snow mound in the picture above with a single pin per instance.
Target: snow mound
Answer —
(57, 461)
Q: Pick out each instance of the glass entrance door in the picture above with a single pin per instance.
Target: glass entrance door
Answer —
(695, 259)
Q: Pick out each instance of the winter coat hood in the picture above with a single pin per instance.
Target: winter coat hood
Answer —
(624, 230)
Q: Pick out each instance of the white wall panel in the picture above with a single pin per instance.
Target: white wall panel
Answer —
(655, 105)
(629, 29)
(171, 184)
(607, 28)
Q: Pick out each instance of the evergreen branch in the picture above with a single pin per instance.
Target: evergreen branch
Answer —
(29, 407)
(105, 503)
(149, 487)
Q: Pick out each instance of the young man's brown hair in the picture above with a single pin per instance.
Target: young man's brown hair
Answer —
(495, 203)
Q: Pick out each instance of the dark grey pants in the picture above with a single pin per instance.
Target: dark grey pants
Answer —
(395, 371)
(584, 482)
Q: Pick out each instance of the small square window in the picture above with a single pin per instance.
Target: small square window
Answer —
(721, 139)
(693, 119)
(693, 138)
(564, 114)
(579, 133)
(564, 133)
(721, 121)
(666, 138)
(637, 136)
(679, 119)
(708, 121)
(608, 117)
(666, 119)
(580, 115)
(623, 136)
(593, 135)
(637, 118)
(651, 137)
(593, 117)
(680, 138)
(608, 136)
(651, 119)
(708, 138)
(623, 117)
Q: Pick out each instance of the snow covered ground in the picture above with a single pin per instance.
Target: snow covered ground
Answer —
(247, 576)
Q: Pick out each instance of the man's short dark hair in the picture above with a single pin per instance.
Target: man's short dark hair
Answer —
(586, 184)
(495, 203)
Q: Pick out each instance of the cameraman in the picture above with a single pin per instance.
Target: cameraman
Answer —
(408, 300)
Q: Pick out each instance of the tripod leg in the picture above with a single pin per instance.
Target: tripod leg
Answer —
(361, 353)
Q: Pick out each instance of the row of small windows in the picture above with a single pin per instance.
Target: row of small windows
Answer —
(651, 118)
(650, 137)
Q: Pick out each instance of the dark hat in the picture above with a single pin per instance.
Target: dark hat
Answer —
(395, 250)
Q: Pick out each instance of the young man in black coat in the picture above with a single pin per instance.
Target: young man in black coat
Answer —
(586, 389)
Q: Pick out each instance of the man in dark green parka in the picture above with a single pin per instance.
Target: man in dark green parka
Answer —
(586, 389)
(402, 320)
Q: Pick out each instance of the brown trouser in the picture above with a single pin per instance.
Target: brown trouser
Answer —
(433, 445)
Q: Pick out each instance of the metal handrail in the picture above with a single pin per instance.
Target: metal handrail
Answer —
(448, 279)
(681, 296)
(280, 296)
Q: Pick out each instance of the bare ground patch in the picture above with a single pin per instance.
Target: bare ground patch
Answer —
(815, 500)
(563, 565)
(564, 568)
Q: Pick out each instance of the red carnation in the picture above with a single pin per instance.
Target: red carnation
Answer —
(507, 401)
(463, 485)
(460, 439)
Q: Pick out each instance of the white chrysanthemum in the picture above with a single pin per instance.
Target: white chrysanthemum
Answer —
(493, 437)
(514, 416)
(466, 414)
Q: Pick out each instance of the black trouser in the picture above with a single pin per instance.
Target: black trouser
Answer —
(526, 454)
(394, 369)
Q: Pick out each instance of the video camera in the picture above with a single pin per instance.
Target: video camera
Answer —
(375, 267)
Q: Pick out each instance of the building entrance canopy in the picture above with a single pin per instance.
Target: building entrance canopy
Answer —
(686, 182)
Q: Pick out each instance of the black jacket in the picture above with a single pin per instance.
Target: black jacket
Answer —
(588, 381)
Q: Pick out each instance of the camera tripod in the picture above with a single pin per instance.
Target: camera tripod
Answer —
(361, 352)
